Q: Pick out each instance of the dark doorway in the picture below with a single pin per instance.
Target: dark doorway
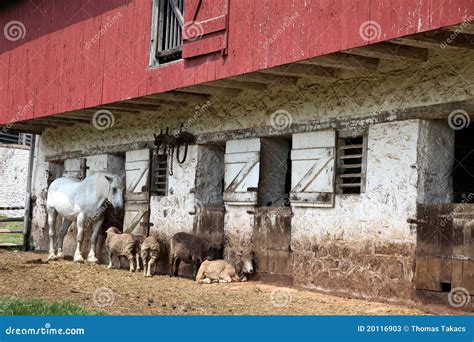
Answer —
(463, 169)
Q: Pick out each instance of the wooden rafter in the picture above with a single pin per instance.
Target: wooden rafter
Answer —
(228, 83)
(439, 40)
(210, 90)
(265, 78)
(300, 70)
(390, 51)
(344, 61)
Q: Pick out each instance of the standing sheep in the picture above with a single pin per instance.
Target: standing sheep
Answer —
(121, 245)
(150, 251)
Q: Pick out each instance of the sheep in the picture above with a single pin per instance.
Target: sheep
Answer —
(121, 245)
(138, 241)
(226, 271)
(150, 251)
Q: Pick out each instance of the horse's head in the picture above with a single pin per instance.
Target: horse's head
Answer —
(115, 193)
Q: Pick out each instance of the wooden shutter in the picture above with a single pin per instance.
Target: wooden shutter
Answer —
(242, 168)
(312, 171)
(205, 27)
(75, 168)
(137, 166)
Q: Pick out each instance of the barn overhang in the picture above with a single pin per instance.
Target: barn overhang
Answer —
(362, 60)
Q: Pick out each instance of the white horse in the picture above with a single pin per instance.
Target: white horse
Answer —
(84, 202)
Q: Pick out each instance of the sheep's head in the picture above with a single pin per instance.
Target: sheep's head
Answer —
(112, 230)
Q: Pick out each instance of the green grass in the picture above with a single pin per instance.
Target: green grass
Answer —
(11, 238)
(39, 307)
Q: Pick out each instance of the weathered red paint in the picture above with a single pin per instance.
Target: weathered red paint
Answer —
(55, 70)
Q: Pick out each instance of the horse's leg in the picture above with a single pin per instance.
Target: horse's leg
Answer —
(95, 232)
(62, 233)
(52, 215)
(80, 236)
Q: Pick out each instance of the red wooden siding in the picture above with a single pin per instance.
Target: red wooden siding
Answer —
(57, 67)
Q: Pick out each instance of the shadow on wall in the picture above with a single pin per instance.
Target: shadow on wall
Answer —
(36, 18)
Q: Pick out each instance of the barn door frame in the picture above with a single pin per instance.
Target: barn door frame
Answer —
(137, 202)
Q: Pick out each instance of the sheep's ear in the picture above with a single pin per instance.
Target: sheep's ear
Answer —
(110, 179)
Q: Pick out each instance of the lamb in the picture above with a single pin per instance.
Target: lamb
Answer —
(150, 251)
(224, 271)
(121, 245)
(138, 241)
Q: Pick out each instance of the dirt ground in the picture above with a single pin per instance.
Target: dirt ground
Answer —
(119, 292)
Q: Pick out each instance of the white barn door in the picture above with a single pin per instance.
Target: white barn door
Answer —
(137, 192)
(242, 170)
(313, 169)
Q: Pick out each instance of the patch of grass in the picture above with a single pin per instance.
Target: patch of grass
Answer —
(39, 307)
(11, 238)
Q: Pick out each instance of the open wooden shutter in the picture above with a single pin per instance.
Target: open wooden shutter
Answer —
(312, 171)
(205, 27)
(242, 169)
(137, 166)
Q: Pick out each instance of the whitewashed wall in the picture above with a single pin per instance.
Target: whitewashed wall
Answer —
(13, 174)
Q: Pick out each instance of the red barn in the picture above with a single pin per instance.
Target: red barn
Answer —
(331, 138)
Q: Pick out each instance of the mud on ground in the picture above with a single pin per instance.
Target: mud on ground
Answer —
(119, 292)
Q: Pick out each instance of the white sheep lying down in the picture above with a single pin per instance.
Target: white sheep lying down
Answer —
(224, 271)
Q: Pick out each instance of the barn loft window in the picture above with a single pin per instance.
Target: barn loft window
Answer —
(351, 164)
(159, 175)
(167, 31)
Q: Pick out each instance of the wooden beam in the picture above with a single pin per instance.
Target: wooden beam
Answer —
(391, 51)
(299, 70)
(439, 40)
(228, 83)
(124, 106)
(429, 112)
(344, 61)
(265, 78)
(210, 90)
(178, 97)
(466, 27)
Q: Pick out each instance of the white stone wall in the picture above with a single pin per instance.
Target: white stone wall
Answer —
(13, 175)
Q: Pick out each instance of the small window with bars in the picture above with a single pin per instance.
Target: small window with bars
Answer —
(168, 30)
(351, 164)
(159, 175)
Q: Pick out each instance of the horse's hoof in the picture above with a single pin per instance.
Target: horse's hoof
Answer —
(60, 255)
(93, 260)
(52, 257)
(78, 258)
